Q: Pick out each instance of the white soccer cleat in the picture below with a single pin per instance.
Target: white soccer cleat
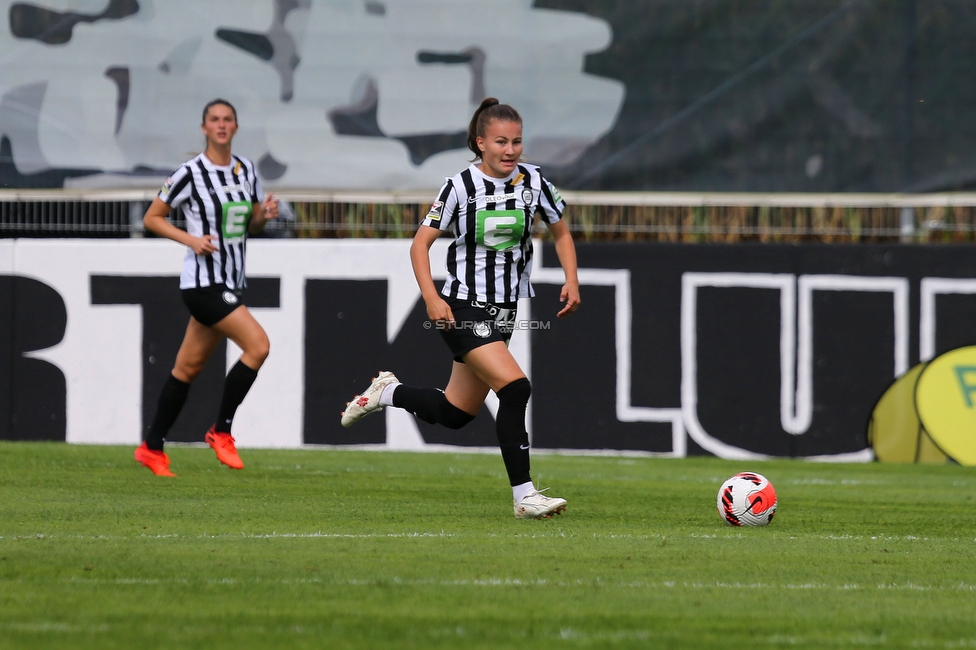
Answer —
(536, 505)
(369, 400)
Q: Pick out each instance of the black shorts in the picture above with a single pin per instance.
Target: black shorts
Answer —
(476, 324)
(212, 304)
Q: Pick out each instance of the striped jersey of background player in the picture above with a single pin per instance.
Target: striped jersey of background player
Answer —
(488, 208)
(221, 197)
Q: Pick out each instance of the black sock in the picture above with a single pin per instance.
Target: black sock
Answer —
(430, 405)
(171, 400)
(236, 385)
(510, 427)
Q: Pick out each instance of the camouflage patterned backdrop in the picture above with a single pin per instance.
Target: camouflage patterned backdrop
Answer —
(705, 95)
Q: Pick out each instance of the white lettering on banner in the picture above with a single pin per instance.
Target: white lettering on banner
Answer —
(101, 351)
(619, 279)
(930, 288)
(796, 358)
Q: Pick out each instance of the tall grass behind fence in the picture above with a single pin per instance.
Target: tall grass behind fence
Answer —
(343, 219)
(591, 216)
(770, 224)
(693, 218)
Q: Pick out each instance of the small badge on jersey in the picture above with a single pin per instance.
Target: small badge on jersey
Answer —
(168, 185)
(434, 214)
(518, 178)
(526, 196)
(482, 330)
(238, 167)
(229, 297)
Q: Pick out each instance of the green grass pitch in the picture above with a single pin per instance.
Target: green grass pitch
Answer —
(354, 549)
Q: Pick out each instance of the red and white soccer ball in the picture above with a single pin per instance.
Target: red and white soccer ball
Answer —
(747, 499)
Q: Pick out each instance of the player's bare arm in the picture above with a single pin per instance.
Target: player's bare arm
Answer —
(156, 222)
(437, 307)
(566, 252)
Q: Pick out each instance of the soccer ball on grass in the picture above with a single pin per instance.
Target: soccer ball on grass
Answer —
(747, 499)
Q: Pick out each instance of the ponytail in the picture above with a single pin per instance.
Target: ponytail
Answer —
(489, 110)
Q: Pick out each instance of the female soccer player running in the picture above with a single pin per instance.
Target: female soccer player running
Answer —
(488, 208)
(220, 196)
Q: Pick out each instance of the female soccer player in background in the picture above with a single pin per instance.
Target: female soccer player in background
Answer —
(221, 198)
(488, 209)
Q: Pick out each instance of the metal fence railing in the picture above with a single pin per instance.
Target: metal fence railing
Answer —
(592, 216)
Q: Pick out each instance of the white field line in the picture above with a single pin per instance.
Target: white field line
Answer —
(563, 633)
(455, 449)
(961, 587)
(51, 626)
(271, 535)
(732, 534)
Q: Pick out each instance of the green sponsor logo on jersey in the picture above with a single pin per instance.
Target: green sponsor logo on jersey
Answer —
(236, 216)
(555, 193)
(500, 229)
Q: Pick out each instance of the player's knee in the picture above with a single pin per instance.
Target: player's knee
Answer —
(258, 351)
(264, 349)
(516, 393)
(452, 417)
(188, 370)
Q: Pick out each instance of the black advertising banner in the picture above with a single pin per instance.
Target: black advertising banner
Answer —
(778, 350)
(739, 351)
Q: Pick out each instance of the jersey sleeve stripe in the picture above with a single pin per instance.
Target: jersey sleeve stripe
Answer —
(179, 192)
(442, 220)
(551, 210)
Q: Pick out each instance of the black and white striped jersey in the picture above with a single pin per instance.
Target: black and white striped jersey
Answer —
(490, 258)
(215, 200)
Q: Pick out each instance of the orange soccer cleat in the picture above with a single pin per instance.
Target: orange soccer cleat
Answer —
(156, 461)
(223, 444)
